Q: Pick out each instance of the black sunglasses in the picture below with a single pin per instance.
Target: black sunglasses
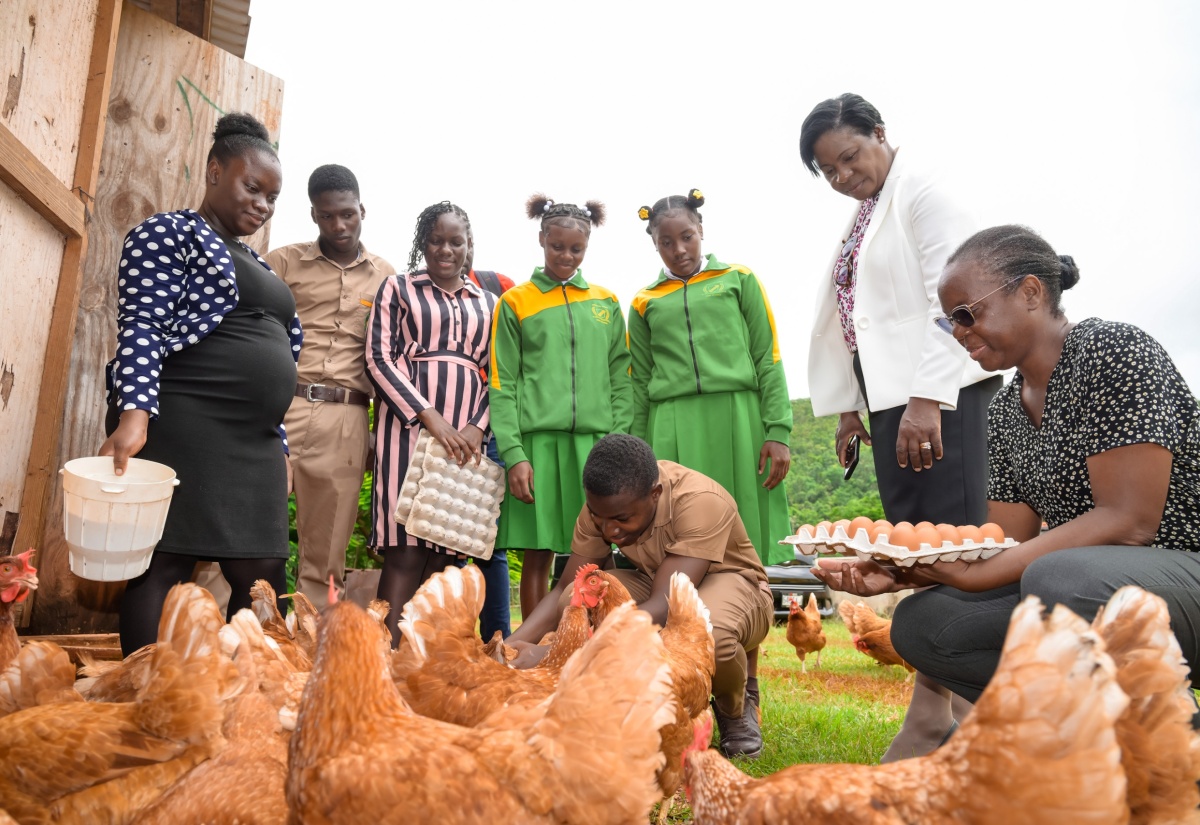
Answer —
(964, 314)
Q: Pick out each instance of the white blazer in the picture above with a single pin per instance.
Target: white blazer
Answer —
(913, 230)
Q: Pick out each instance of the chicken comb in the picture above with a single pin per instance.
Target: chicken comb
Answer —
(25, 559)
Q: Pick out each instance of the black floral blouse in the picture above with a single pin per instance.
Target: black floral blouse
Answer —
(1114, 385)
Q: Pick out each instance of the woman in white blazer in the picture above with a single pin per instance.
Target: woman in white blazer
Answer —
(875, 348)
(874, 344)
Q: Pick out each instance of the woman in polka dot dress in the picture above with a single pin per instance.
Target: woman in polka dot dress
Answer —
(205, 369)
(1097, 436)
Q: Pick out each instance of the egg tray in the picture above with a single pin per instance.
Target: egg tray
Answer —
(452, 506)
(860, 545)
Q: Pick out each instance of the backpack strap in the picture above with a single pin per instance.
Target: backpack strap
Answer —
(488, 280)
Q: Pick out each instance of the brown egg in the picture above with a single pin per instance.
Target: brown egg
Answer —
(860, 523)
(882, 527)
(969, 532)
(812, 531)
(992, 531)
(843, 523)
(949, 533)
(826, 526)
(903, 535)
(922, 525)
(927, 535)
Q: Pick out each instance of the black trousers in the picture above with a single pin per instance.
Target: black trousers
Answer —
(955, 637)
(954, 490)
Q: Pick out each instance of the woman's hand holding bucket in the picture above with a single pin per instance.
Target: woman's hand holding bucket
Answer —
(127, 439)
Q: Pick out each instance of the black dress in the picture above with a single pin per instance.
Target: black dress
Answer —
(220, 403)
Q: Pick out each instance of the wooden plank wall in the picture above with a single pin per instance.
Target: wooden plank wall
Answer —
(43, 73)
(169, 87)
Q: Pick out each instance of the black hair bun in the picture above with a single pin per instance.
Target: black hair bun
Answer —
(537, 205)
(240, 123)
(695, 198)
(1068, 272)
(596, 212)
(644, 213)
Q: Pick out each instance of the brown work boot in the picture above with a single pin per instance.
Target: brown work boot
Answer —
(740, 735)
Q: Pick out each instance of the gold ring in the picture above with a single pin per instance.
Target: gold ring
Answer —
(925, 445)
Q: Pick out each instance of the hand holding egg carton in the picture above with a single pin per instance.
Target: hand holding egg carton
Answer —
(455, 507)
(902, 544)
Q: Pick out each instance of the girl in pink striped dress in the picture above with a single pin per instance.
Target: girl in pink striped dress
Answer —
(427, 345)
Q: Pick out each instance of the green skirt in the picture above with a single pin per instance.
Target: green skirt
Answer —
(548, 523)
(721, 435)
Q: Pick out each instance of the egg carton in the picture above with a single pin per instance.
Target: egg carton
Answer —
(860, 545)
(821, 541)
(452, 506)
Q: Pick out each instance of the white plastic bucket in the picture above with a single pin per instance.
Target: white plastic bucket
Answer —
(112, 522)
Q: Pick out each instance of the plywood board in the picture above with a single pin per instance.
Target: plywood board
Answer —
(31, 250)
(169, 87)
(43, 71)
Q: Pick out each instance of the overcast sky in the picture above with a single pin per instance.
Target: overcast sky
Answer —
(1079, 119)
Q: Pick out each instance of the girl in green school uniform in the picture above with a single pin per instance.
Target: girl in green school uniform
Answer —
(559, 382)
(708, 385)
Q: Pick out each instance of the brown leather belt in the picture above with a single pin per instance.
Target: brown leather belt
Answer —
(340, 395)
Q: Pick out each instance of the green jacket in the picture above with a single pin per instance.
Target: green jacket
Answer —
(713, 333)
(559, 362)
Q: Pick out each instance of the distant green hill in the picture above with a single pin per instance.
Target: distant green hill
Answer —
(815, 488)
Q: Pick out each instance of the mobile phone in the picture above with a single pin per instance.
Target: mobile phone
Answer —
(851, 457)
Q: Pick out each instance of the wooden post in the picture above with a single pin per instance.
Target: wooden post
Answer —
(41, 471)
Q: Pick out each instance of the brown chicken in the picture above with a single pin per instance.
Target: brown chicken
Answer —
(115, 681)
(244, 782)
(602, 593)
(17, 578)
(804, 630)
(103, 762)
(871, 634)
(283, 632)
(1160, 750)
(586, 755)
(42, 674)
(691, 654)
(441, 668)
(1039, 748)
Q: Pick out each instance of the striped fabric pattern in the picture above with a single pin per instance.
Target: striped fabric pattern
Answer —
(426, 347)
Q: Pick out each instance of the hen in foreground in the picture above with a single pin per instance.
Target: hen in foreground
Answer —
(102, 762)
(1039, 748)
(586, 755)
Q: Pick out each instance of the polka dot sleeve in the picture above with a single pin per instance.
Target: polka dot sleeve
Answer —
(150, 279)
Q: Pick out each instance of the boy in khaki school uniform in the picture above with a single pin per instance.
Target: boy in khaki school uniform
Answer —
(666, 518)
(334, 280)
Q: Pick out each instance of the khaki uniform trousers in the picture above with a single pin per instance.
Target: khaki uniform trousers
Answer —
(328, 443)
(740, 613)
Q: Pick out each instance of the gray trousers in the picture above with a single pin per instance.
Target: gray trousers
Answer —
(955, 637)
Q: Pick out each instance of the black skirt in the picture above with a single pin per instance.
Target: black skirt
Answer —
(220, 402)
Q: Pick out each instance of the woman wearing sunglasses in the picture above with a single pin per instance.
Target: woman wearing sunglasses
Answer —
(873, 347)
(1097, 435)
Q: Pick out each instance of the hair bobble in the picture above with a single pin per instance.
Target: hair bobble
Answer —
(696, 197)
(547, 206)
(644, 213)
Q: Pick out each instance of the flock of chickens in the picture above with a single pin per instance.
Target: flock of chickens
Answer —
(316, 719)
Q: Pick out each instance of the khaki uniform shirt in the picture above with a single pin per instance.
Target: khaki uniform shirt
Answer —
(333, 304)
(696, 517)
